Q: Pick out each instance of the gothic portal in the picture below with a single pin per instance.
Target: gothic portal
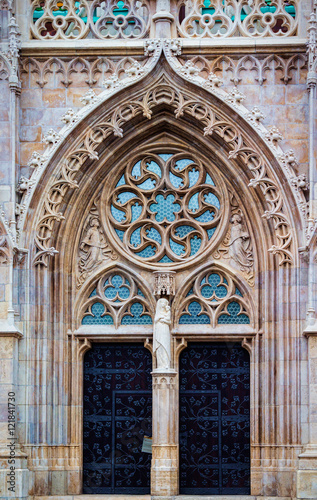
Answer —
(158, 248)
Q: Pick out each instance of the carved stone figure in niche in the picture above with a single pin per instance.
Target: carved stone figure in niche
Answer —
(93, 248)
(237, 245)
(240, 243)
(162, 337)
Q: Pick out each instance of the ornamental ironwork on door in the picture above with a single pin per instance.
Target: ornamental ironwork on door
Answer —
(215, 419)
(117, 415)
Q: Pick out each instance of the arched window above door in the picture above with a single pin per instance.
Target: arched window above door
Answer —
(164, 208)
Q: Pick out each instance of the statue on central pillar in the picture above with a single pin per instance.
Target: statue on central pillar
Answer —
(162, 337)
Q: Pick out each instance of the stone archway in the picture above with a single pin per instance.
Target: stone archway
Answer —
(163, 105)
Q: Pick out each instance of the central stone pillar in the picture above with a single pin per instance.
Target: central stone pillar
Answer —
(164, 473)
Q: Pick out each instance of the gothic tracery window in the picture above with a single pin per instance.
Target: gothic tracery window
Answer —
(164, 208)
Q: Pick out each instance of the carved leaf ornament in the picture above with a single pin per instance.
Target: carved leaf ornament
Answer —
(164, 208)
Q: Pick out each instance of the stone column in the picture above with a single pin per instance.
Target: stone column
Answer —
(164, 472)
(307, 473)
(163, 19)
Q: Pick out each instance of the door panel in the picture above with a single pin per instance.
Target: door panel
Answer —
(117, 414)
(215, 419)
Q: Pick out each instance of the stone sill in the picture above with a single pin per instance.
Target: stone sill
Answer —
(148, 497)
(189, 46)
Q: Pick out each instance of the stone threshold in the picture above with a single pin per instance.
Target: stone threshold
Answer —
(148, 497)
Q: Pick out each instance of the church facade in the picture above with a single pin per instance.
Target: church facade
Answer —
(158, 248)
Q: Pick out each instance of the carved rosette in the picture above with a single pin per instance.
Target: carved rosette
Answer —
(164, 283)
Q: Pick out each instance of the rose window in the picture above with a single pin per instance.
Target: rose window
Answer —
(164, 208)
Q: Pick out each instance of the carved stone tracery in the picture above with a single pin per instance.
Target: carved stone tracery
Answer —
(183, 103)
(245, 18)
(116, 299)
(213, 298)
(163, 208)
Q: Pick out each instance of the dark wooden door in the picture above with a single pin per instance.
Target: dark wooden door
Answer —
(117, 414)
(214, 419)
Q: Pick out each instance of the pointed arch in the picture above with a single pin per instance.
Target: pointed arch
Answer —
(91, 138)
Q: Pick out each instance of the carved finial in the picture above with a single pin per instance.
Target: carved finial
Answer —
(164, 283)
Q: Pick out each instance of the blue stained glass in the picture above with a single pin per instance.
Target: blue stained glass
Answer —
(136, 170)
(153, 234)
(138, 317)
(195, 243)
(190, 292)
(147, 252)
(136, 211)
(97, 310)
(165, 156)
(182, 231)
(175, 180)
(207, 216)
(165, 208)
(121, 181)
(209, 180)
(119, 215)
(165, 260)
(148, 184)
(177, 248)
(140, 292)
(193, 177)
(193, 204)
(194, 316)
(211, 231)
(213, 286)
(120, 233)
(117, 286)
(212, 200)
(234, 318)
(153, 167)
(93, 293)
(135, 238)
(237, 292)
(181, 164)
(125, 196)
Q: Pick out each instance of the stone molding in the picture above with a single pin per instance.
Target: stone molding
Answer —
(93, 66)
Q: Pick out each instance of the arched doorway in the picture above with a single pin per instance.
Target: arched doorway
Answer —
(117, 416)
(214, 419)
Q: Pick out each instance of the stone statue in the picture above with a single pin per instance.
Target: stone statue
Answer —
(240, 243)
(91, 246)
(162, 337)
